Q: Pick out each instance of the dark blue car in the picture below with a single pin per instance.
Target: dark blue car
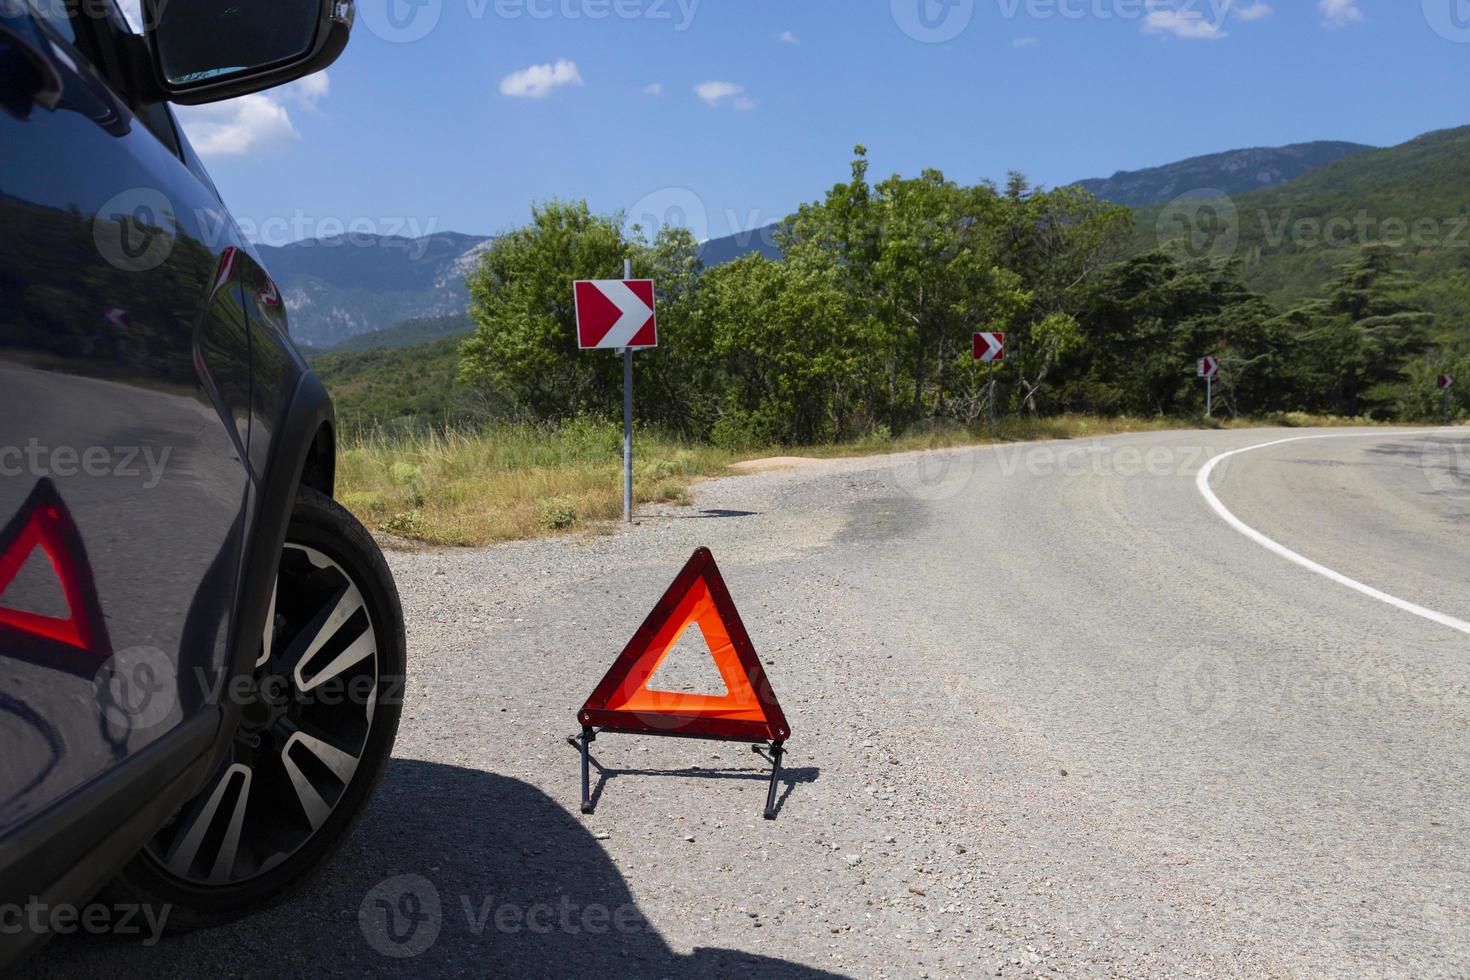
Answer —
(201, 654)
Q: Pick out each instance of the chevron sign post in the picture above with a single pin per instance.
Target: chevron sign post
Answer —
(1208, 368)
(617, 314)
(990, 347)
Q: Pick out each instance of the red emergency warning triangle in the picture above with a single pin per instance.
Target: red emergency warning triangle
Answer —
(748, 710)
(44, 522)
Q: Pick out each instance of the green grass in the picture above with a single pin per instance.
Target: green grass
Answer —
(503, 482)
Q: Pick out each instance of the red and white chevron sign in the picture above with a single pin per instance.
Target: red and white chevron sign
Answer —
(990, 347)
(615, 313)
(1446, 382)
(1209, 367)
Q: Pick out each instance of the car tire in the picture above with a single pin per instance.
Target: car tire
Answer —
(285, 794)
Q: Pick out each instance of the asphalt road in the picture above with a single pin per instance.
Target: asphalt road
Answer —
(1052, 713)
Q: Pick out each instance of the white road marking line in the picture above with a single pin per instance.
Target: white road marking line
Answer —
(1202, 481)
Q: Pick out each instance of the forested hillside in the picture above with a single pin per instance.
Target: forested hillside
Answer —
(1290, 240)
(419, 330)
(393, 387)
(862, 323)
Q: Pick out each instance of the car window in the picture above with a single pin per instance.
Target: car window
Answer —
(125, 18)
(102, 39)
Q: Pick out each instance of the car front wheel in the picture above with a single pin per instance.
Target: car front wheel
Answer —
(316, 728)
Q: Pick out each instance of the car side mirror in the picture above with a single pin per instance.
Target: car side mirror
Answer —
(208, 50)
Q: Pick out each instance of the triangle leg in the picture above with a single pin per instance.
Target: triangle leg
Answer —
(586, 744)
(770, 811)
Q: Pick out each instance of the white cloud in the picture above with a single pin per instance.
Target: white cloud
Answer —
(238, 127)
(657, 88)
(1340, 13)
(1025, 42)
(713, 93)
(745, 104)
(786, 37)
(310, 90)
(1255, 11)
(537, 81)
(1186, 24)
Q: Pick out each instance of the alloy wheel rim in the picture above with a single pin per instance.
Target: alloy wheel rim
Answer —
(305, 721)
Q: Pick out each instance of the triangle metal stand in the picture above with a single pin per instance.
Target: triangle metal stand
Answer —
(771, 751)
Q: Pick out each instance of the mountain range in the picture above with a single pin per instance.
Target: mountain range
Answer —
(1233, 172)
(342, 287)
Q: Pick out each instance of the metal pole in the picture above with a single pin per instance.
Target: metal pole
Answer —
(991, 399)
(1209, 396)
(1446, 406)
(628, 418)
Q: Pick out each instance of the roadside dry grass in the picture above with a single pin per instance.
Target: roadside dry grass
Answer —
(510, 482)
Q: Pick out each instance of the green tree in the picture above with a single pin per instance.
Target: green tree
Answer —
(521, 302)
(1147, 321)
(918, 259)
(1357, 339)
(1054, 242)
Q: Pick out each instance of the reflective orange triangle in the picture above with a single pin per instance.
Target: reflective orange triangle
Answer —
(44, 522)
(748, 709)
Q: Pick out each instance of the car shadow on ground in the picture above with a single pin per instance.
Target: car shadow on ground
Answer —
(452, 871)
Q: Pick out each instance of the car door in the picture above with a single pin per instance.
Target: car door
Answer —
(124, 420)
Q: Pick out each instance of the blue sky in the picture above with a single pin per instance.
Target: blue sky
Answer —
(453, 115)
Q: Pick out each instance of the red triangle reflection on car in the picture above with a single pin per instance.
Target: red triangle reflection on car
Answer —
(44, 522)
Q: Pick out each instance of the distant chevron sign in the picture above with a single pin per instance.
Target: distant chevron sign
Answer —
(990, 347)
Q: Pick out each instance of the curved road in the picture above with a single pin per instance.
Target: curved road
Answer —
(1051, 711)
